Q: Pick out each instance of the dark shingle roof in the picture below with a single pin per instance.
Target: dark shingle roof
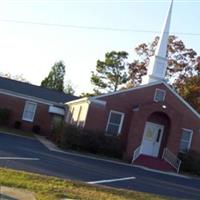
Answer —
(35, 91)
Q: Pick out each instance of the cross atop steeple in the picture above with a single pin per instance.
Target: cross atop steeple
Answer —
(158, 63)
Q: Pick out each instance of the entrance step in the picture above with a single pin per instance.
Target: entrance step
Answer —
(154, 163)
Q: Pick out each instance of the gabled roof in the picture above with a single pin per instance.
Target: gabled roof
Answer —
(137, 88)
(183, 101)
(151, 84)
(34, 91)
(95, 98)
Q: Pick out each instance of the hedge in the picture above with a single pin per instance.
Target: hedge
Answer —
(190, 162)
(4, 116)
(90, 141)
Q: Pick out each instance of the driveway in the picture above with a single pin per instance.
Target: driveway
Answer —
(30, 155)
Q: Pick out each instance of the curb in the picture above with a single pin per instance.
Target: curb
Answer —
(13, 134)
(52, 147)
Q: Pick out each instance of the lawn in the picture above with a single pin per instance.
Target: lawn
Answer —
(49, 188)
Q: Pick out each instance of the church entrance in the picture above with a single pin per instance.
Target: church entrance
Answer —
(152, 137)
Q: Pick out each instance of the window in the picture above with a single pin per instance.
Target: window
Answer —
(115, 122)
(159, 95)
(29, 111)
(186, 139)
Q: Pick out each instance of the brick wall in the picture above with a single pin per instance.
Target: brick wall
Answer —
(134, 122)
(16, 105)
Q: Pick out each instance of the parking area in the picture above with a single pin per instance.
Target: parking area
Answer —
(30, 155)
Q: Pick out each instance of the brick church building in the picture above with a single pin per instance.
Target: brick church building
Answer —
(154, 122)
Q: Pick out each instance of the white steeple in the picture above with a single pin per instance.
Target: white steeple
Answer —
(158, 63)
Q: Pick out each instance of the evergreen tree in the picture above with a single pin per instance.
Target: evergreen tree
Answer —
(55, 79)
(111, 73)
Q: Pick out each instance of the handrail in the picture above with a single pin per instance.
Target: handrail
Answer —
(172, 159)
(136, 154)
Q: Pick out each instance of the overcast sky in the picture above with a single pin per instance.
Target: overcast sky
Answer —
(31, 49)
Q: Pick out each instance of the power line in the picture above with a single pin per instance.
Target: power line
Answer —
(92, 27)
(122, 1)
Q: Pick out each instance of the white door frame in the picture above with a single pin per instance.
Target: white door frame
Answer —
(151, 146)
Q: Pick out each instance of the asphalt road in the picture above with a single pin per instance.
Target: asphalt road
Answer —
(75, 167)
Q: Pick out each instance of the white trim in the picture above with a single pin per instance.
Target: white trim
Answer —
(56, 110)
(26, 97)
(88, 100)
(77, 101)
(183, 101)
(190, 140)
(159, 90)
(101, 102)
(129, 90)
(121, 122)
(152, 84)
(25, 107)
(140, 87)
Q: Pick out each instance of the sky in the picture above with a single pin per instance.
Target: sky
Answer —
(34, 34)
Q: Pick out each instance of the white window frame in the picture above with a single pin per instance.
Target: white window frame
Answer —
(25, 107)
(121, 122)
(157, 90)
(190, 141)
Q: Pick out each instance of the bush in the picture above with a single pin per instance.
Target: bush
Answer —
(56, 130)
(17, 124)
(70, 138)
(90, 141)
(36, 129)
(4, 116)
(191, 162)
(57, 127)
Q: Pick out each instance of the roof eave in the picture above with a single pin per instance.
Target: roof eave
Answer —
(183, 101)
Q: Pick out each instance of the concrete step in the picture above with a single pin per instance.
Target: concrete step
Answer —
(153, 163)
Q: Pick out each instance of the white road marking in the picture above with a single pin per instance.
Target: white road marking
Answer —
(111, 180)
(18, 158)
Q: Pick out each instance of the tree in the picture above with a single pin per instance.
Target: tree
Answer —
(18, 77)
(189, 89)
(87, 94)
(55, 79)
(69, 88)
(182, 62)
(111, 73)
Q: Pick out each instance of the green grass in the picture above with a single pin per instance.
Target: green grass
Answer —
(49, 188)
(16, 131)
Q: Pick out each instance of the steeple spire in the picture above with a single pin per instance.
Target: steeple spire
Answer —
(158, 63)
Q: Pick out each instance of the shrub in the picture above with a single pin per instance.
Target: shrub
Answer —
(57, 128)
(17, 124)
(70, 138)
(4, 116)
(90, 141)
(191, 162)
(36, 129)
